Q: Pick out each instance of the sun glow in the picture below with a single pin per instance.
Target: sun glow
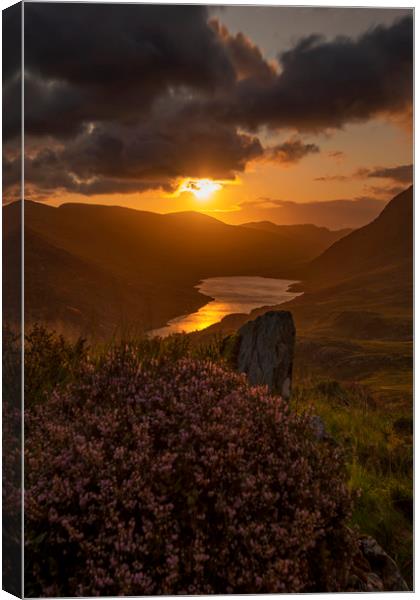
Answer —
(202, 189)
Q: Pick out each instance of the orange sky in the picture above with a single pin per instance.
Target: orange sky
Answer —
(278, 105)
(380, 142)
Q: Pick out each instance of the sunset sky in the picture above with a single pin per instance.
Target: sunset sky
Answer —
(279, 109)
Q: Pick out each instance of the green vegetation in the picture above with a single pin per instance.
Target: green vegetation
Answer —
(370, 418)
(362, 389)
(377, 439)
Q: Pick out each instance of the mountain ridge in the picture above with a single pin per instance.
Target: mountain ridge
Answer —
(107, 264)
(384, 240)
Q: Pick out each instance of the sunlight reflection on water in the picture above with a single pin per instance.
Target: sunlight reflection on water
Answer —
(231, 295)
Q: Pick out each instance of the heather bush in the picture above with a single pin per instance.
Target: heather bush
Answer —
(12, 459)
(176, 477)
(12, 367)
(50, 360)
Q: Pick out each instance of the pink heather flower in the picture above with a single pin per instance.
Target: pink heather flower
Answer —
(175, 476)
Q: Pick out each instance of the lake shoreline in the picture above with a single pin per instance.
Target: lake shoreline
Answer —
(228, 296)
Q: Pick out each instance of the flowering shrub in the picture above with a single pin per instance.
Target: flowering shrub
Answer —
(49, 360)
(176, 477)
(12, 460)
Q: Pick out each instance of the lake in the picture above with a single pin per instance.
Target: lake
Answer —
(230, 295)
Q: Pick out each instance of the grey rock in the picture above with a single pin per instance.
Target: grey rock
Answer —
(383, 565)
(319, 429)
(266, 348)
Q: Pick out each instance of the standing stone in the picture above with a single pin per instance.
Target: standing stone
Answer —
(265, 353)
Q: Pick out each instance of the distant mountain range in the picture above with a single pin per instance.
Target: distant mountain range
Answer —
(99, 269)
(313, 239)
(334, 214)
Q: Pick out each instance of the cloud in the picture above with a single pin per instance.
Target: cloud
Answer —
(125, 48)
(333, 178)
(290, 151)
(402, 173)
(327, 84)
(131, 97)
(94, 62)
(336, 155)
(12, 42)
(399, 174)
(246, 57)
(115, 159)
(98, 62)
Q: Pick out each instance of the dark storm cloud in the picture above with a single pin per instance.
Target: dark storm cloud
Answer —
(245, 56)
(12, 105)
(54, 107)
(291, 151)
(11, 171)
(134, 96)
(163, 149)
(110, 159)
(103, 61)
(11, 42)
(48, 171)
(113, 61)
(326, 84)
(11, 73)
(119, 45)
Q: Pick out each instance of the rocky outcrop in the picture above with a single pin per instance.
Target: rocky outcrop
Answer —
(265, 351)
(319, 429)
(374, 570)
(383, 565)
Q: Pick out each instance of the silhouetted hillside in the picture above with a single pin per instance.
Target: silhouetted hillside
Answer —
(12, 262)
(363, 283)
(97, 268)
(122, 239)
(381, 246)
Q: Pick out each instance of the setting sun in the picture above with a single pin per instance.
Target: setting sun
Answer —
(201, 188)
